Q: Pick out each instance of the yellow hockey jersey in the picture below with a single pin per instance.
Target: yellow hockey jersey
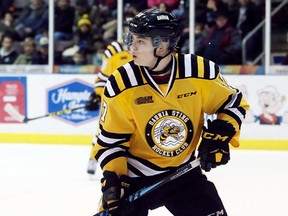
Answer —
(114, 57)
(147, 129)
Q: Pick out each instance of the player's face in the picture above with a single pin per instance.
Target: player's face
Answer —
(142, 51)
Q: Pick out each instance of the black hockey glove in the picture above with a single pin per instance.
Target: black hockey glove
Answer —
(214, 146)
(114, 193)
(93, 102)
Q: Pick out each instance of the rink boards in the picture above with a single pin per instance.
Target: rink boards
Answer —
(35, 95)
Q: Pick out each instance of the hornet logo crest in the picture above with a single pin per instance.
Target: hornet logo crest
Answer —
(169, 132)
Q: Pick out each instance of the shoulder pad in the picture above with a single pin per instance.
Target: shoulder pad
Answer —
(197, 67)
(125, 77)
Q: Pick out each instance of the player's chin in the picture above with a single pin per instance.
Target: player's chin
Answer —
(140, 62)
(137, 61)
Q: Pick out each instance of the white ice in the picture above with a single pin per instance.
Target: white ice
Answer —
(51, 180)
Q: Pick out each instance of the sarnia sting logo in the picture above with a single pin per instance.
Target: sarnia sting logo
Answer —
(169, 132)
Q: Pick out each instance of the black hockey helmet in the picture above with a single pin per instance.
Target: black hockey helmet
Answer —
(156, 24)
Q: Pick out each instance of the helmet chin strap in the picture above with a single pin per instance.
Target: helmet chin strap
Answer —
(159, 58)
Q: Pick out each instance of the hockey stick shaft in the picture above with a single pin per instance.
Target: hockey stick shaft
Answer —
(14, 113)
(146, 190)
(60, 112)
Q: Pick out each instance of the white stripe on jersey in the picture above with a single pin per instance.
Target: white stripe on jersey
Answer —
(109, 152)
(188, 68)
(94, 140)
(147, 171)
(102, 76)
(109, 140)
(237, 112)
(107, 54)
(230, 106)
(110, 89)
(212, 70)
(117, 46)
(99, 84)
(131, 74)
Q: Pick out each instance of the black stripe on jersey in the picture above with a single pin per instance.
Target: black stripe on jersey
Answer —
(105, 133)
(242, 111)
(194, 65)
(135, 171)
(100, 84)
(137, 73)
(147, 163)
(233, 115)
(125, 77)
(181, 66)
(206, 69)
(116, 45)
(104, 144)
(235, 104)
(110, 157)
(238, 99)
(225, 104)
(113, 85)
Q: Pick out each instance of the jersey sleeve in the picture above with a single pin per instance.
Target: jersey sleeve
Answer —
(227, 102)
(116, 127)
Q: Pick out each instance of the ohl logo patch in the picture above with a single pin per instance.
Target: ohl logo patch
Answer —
(68, 96)
(169, 132)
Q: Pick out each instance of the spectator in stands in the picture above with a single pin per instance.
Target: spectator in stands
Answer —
(108, 11)
(131, 5)
(7, 51)
(221, 43)
(6, 6)
(246, 16)
(178, 12)
(83, 37)
(63, 20)
(107, 8)
(171, 4)
(79, 58)
(29, 47)
(33, 20)
(199, 28)
(212, 8)
(7, 25)
(83, 7)
(42, 54)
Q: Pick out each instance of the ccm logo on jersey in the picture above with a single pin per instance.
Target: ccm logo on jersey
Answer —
(187, 94)
(144, 100)
(213, 136)
(218, 213)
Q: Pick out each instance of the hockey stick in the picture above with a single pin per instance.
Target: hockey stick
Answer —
(144, 191)
(14, 113)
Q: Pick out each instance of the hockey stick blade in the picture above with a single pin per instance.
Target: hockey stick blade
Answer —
(146, 190)
(13, 112)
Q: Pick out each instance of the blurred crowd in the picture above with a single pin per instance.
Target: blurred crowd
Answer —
(83, 28)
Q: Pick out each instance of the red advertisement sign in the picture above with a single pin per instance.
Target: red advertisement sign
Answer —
(12, 91)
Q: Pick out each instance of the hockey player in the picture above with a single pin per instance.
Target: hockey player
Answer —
(114, 57)
(152, 120)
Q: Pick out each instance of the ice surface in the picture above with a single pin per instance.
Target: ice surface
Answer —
(51, 180)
